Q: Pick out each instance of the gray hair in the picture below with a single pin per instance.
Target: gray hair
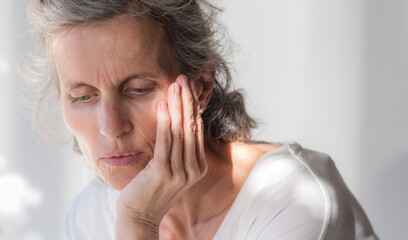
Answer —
(191, 29)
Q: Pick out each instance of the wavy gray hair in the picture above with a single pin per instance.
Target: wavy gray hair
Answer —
(191, 30)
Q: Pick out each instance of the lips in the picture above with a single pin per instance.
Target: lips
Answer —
(121, 158)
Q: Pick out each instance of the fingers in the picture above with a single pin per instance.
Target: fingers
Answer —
(163, 137)
(202, 163)
(186, 154)
(176, 111)
(189, 128)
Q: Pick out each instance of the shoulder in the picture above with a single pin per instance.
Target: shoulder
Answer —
(345, 218)
(280, 199)
(297, 193)
(292, 200)
(92, 213)
(292, 170)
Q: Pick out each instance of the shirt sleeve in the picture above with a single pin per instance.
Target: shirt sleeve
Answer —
(318, 206)
(295, 222)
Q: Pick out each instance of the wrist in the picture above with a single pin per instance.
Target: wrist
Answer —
(131, 224)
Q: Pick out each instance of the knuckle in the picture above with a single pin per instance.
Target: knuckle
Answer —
(200, 111)
(188, 98)
(162, 170)
(194, 174)
(203, 166)
(180, 179)
(168, 140)
(190, 126)
(178, 107)
(165, 120)
(165, 174)
(204, 169)
(177, 134)
(200, 124)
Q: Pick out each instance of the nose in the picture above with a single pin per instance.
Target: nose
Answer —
(113, 120)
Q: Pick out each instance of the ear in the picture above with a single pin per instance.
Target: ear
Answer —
(204, 86)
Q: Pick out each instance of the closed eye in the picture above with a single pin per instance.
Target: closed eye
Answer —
(138, 91)
(83, 99)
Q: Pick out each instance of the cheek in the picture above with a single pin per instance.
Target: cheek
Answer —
(80, 122)
(141, 113)
(144, 116)
(144, 120)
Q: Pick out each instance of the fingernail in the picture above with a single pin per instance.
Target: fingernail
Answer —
(177, 88)
(183, 80)
(163, 105)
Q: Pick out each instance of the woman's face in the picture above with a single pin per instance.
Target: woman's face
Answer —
(112, 75)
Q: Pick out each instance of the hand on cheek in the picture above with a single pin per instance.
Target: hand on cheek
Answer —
(186, 128)
(178, 162)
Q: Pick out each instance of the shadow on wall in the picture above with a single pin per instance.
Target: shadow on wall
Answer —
(384, 133)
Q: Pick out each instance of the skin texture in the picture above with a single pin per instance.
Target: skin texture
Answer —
(121, 90)
(115, 117)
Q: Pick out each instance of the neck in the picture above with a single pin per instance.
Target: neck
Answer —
(197, 204)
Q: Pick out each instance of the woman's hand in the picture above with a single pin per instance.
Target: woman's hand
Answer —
(178, 163)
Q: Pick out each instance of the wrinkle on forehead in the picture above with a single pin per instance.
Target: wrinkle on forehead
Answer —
(143, 36)
(143, 23)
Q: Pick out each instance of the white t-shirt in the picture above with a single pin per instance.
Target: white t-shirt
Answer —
(291, 193)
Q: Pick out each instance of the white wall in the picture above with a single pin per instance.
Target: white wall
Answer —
(383, 129)
(33, 195)
(331, 75)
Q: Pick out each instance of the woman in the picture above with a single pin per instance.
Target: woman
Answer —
(144, 90)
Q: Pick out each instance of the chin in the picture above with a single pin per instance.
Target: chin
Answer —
(119, 180)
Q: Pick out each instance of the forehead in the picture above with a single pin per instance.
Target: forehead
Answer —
(119, 42)
(110, 34)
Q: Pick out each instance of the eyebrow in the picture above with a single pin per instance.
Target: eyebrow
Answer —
(124, 80)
